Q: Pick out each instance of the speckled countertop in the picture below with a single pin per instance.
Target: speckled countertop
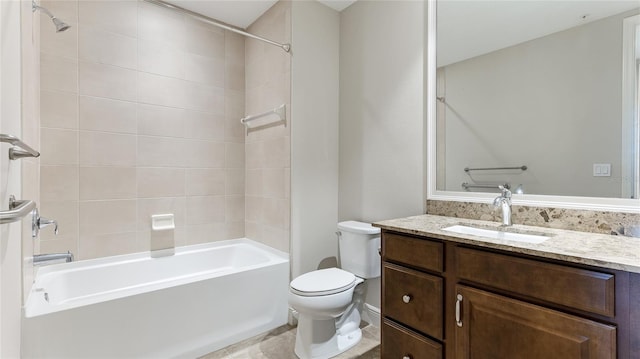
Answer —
(600, 250)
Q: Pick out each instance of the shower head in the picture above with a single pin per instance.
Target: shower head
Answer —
(60, 25)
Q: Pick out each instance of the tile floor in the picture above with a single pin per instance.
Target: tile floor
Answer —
(279, 343)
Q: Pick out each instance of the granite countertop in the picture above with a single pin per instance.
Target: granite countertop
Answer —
(600, 250)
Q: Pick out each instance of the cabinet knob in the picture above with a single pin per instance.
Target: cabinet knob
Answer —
(408, 356)
(406, 298)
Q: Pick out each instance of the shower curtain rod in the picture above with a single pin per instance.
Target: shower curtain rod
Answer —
(208, 20)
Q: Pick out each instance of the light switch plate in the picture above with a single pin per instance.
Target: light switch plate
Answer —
(602, 170)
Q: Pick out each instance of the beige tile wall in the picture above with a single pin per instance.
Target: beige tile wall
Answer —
(268, 151)
(140, 116)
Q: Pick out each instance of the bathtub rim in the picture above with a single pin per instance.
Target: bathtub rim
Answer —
(35, 305)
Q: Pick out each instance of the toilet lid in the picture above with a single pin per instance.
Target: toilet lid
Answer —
(323, 282)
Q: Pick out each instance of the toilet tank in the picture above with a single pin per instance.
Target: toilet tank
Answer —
(358, 243)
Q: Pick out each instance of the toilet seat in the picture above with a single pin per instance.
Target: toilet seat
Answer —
(323, 282)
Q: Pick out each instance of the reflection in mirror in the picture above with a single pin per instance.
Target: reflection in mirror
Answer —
(550, 85)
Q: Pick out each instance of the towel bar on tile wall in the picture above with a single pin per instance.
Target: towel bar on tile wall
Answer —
(467, 169)
(467, 185)
(15, 153)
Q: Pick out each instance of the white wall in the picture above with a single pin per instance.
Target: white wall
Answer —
(30, 134)
(10, 245)
(314, 134)
(382, 116)
(553, 104)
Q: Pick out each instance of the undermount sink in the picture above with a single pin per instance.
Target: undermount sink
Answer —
(497, 234)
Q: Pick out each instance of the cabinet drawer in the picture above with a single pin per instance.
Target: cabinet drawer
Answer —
(413, 251)
(413, 298)
(399, 342)
(581, 289)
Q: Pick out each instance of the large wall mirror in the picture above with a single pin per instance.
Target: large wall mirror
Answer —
(541, 96)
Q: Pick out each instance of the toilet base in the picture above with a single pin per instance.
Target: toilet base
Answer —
(319, 339)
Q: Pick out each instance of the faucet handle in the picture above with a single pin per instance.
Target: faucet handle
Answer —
(37, 223)
(506, 190)
(44, 222)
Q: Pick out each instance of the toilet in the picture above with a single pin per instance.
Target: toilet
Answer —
(329, 300)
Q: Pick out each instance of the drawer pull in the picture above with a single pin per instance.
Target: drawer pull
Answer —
(406, 298)
(408, 356)
(458, 303)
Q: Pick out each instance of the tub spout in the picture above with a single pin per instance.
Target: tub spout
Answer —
(42, 259)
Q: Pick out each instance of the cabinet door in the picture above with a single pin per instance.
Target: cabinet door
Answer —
(491, 326)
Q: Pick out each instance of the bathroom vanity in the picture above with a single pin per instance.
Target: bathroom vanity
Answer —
(456, 295)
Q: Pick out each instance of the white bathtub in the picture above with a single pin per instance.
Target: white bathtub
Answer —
(201, 299)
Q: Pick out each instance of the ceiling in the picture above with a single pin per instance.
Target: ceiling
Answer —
(242, 13)
(466, 28)
(471, 28)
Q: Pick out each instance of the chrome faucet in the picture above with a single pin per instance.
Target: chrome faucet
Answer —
(503, 201)
(41, 259)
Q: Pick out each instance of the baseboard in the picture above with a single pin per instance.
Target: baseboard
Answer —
(371, 314)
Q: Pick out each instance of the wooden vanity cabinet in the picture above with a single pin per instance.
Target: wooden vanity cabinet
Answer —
(412, 297)
(441, 299)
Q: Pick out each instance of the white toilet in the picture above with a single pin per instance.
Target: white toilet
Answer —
(328, 300)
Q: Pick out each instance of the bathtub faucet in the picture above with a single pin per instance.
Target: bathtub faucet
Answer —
(41, 259)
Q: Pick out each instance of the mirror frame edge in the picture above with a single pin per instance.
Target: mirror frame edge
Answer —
(570, 202)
